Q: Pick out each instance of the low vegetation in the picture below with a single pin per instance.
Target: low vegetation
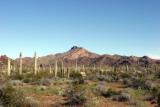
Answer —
(107, 87)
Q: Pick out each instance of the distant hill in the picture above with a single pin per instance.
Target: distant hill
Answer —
(87, 58)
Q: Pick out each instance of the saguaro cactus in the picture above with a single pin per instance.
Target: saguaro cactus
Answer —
(50, 70)
(94, 68)
(56, 69)
(20, 63)
(76, 68)
(68, 72)
(83, 68)
(9, 67)
(35, 63)
(127, 68)
(14, 68)
(62, 68)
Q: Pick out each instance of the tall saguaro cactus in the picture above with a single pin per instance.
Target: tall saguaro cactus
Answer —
(76, 68)
(62, 68)
(94, 68)
(20, 63)
(56, 68)
(50, 69)
(9, 67)
(14, 68)
(83, 68)
(68, 72)
(127, 68)
(35, 63)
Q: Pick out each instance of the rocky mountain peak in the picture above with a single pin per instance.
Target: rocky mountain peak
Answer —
(76, 47)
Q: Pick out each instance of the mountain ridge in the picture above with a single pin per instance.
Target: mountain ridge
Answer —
(85, 57)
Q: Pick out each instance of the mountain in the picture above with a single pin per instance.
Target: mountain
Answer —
(69, 57)
(76, 52)
(87, 58)
(3, 59)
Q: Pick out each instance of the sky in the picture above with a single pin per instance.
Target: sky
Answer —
(124, 27)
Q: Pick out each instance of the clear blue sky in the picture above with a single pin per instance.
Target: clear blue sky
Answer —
(125, 27)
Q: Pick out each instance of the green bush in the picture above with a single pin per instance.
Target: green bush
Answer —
(77, 78)
(158, 100)
(10, 97)
(121, 98)
(75, 95)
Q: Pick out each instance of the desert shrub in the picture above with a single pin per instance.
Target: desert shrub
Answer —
(104, 78)
(109, 93)
(92, 76)
(120, 98)
(106, 93)
(16, 83)
(107, 78)
(139, 84)
(29, 78)
(16, 76)
(77, 78)
(149, 97)
(41, 88)
(75, 75)
(124, 75)
(32, 79)
(126, 81)
(38, 79)
(30, 102)
(101, 90)
(75, 95)
(157, 75)
(10, 97)
(75, 99)
(46, 82)
(155, 92)
(158, 99)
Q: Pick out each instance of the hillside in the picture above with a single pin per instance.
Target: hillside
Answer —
(87, 58)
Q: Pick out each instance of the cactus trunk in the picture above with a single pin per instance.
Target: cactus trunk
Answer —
(68, 73)
(62, 69)
(56, 69)
(127, 68)
(9, 67)
(83, 68)
(35, 64)
(50, 70)
(76, 68)
(20, 64)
